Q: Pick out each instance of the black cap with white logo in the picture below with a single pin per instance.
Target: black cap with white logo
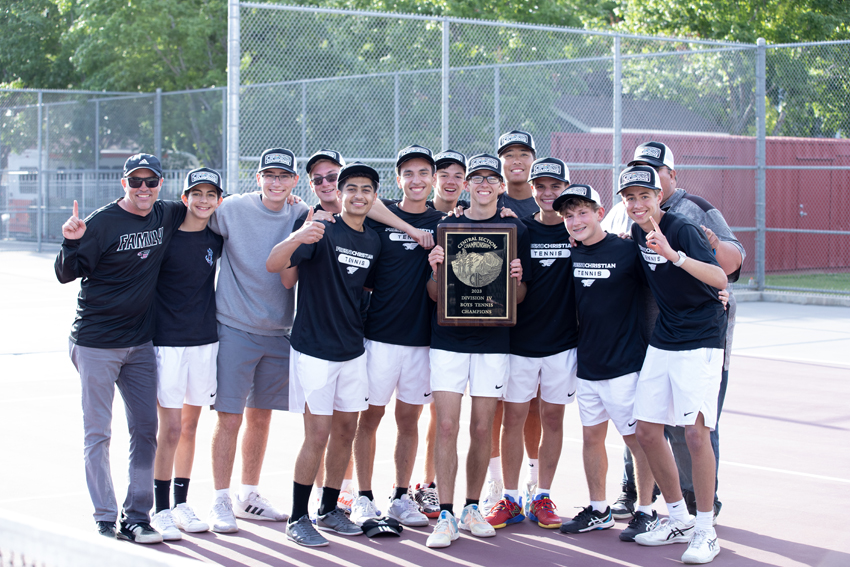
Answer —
(279, 158)
(414, 151)
(654, 153)
(142, 161)
(330, 155)
(202, 175)
(358, 169)
(580, 191)
(482, 163)
(443, 159)
(550, 167)
(639, 176)
(516, 137)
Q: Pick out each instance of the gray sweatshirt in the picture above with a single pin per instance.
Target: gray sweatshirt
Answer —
(248, 297)
(700, 212)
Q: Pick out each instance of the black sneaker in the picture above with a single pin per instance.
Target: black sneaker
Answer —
(588, 520)
(640, 523)
(624, 507)
(106, 529)
(141, 532)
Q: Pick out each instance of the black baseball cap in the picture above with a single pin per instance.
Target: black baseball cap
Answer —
(414, 151)
(516, 137)
(385, 526)
(579, 190)
(443, 159)
(142, 161)
(202, 175)
(550, 167)
(358, 169)
(483, 162)
(653, 153)
(330, 155)
(639, 176)
(279, 158)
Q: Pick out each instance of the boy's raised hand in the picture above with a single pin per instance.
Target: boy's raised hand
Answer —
(658, 242)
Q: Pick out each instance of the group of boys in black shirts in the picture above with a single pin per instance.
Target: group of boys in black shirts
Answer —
(578, 336)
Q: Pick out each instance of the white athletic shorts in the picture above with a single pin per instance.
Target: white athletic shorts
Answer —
(614, 399)
(326, 386)
(400, 369)
(555, 375)
(677, 385)
(186, 375)
(486, 374)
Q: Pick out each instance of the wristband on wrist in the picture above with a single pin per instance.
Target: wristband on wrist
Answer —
(682, 257)
(432, 277)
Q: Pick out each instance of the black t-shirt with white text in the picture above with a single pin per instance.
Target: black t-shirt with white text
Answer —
(482, 339)
(546, 319)
(400, 309)
(302, 218)
(608, 288)
(118, 259)
(691, 315)
(331, 276)
(185, 291)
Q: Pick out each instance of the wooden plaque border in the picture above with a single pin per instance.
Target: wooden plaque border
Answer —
(442, 272)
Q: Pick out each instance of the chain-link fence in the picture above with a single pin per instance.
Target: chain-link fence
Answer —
(61, 146)
(759, 131)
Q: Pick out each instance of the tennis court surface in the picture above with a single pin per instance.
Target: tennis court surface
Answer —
(784, 478)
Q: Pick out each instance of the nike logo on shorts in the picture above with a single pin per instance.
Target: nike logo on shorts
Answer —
(367, 399)
(632, 423)
(428, 394)
(689, 413)
(497, 387)
(571, 395)
(213, 395)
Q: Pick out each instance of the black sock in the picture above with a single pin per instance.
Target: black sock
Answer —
(160, 494)
(181, 490)
(329, 498)
(471, 501)
(432, 485)
(399, 492)
(450, 508)
(300, 501)
(367, 493)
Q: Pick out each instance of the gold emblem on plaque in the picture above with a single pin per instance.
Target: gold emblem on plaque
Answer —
(477, 269)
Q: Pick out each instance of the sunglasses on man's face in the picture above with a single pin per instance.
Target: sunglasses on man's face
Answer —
(136, 182)
(330, 178)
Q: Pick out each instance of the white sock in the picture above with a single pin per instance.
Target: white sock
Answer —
(542, 492)
(704, 520)
(678, 510)
(346, 484)
(599, 505)
(532, 470)
(494, 469)
(514, 494)
(245, 490)
(645, 509)
(222, 493)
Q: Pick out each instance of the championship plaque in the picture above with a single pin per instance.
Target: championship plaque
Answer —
(474, 283)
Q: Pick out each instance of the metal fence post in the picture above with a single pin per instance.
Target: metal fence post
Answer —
(157, 123)
(233, 56)
(224, 132)
(496, 106)
(444, 132)
(396, 113)
(39, 215)
(618, 118)
(96, 150)
(760, 162)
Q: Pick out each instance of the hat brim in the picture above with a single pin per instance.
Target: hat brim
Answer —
(504, 148)
(487, 169)
(445, 161)
(314, 160)
(561, 199)
(414, 155)
(278, 166)
(148, 167)
(638, 184)
(651, 161)
(204, 182)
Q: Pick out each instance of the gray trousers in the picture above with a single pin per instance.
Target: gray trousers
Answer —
(133, 370)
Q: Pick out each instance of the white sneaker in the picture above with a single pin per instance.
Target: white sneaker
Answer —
(528, 495)
(345, 501)
(406, 511)
(445, 532)
(163, 522)
(363, 509)
(255, 507)
(221, 516)
(472, 521)
(492, 494)
(668, 531)
(186, 520)
(703, 547)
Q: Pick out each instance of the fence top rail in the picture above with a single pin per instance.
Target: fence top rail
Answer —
(63, 91)
(494, 23)
(810, 43)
